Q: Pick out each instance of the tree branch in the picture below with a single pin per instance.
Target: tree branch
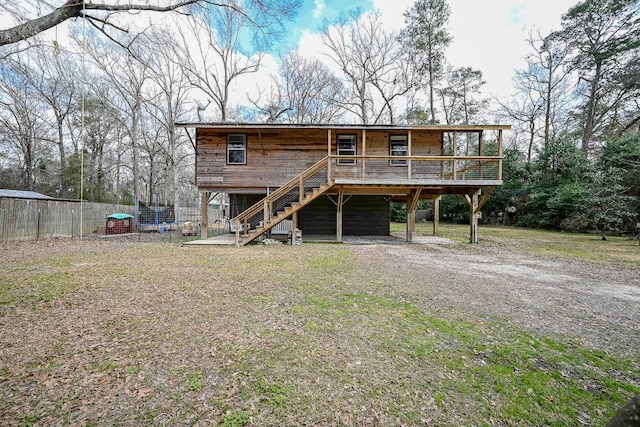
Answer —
(74, 9)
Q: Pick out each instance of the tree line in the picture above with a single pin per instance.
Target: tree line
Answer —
(109, 102)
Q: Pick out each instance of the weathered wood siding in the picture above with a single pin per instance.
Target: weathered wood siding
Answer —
(275, 156)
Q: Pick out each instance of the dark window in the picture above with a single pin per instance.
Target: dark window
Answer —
(236, 149)
(398, 147)
(346, 147)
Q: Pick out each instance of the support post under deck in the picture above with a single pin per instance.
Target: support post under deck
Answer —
(412, 205)
(436, 216)
(204, 221)
(473, 217)
(339, 215)
(294, 227)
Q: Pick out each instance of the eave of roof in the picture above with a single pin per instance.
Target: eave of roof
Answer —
(443, 128)
(23, 194)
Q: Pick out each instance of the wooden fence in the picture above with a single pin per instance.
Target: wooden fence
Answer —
(33, 219)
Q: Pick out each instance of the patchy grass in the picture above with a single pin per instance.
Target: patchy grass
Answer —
(166, 335)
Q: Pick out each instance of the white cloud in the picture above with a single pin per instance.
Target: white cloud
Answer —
(320, 6)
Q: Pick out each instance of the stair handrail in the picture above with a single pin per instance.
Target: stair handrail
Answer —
(284, 189)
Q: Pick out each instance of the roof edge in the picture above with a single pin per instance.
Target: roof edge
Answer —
(459, 127)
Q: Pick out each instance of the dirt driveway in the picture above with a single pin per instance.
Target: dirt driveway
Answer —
(595, 303)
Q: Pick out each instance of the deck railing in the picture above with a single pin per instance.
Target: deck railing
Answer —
(415, 169)
(365, 170)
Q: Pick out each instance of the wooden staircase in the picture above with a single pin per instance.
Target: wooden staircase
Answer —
(283, 203)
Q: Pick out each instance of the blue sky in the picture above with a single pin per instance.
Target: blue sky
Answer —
(315, 12)
(487, 34)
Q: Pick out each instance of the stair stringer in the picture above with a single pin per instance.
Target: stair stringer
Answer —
(282, 215)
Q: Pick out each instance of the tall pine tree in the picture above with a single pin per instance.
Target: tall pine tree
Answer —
(425, 39)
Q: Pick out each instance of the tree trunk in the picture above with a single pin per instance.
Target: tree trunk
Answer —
(63, 159)
(591, 109)
(433, 110)
(547, 113)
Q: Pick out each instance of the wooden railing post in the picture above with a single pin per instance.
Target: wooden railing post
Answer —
(301, 183)
(454, 149)
(409, 154)
(364, 153)
(500, 154)
(266, 215)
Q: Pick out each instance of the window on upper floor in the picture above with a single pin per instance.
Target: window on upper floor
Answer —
(398, 147)
(236, 149)
(346, 147)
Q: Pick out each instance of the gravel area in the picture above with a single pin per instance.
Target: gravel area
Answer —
(595, 303)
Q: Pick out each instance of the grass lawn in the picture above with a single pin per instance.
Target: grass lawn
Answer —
(159, 334)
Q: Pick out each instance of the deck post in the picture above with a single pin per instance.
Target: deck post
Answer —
(436, 216)
(204, 220)
(500, 154)
(364, 153)
(409, 154)
(339, 215)
(473, 217)
(454, 149)
(412, 205)
(294, 227)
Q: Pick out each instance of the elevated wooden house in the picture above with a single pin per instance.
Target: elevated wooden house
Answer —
(339, 179)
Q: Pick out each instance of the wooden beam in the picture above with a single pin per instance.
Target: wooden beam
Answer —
(204, 220)
(484, 199)
(436, 216)
(500, 154)
(416, 198)
(413, 199)
(294, 226)
(453, 153)
(408, 153)
(473, 217)
(339, 204)
(364, 152)
(301, 185)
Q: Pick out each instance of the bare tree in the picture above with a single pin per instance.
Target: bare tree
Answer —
(23, 123)
(28, 28)
(123, 72)
(216, 60)
(541, 91)
(106, 16)
(166, 102)
(305, 92)
(52, 78)
(368, 57)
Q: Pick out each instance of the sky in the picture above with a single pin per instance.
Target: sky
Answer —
(488, 35)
